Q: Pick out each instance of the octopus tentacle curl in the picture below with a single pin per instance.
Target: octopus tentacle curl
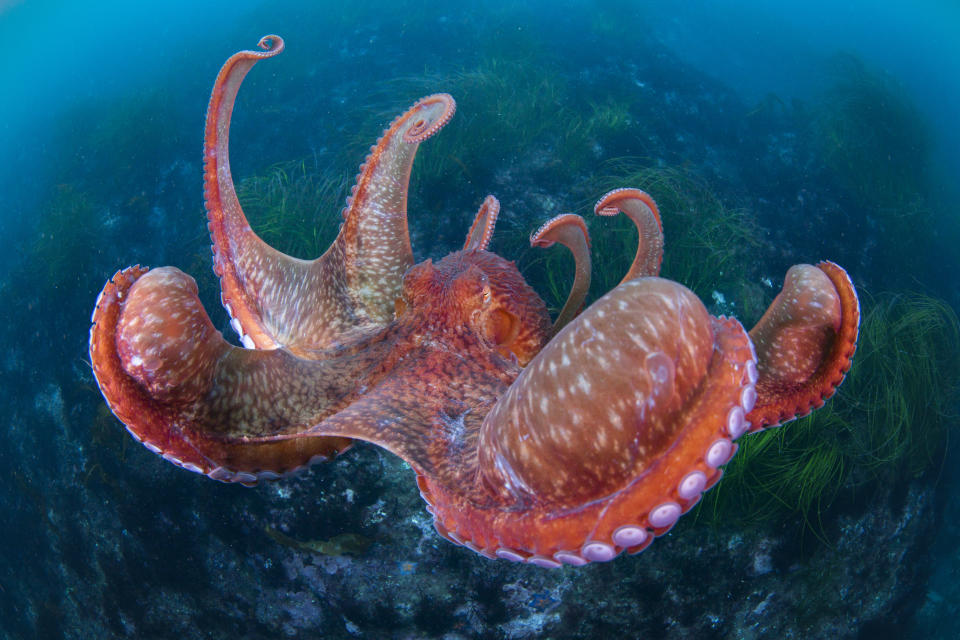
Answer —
(643, 211)
(308, 306)
(550, 443)
(570, 231)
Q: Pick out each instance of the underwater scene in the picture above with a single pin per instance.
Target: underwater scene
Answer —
(637, 319)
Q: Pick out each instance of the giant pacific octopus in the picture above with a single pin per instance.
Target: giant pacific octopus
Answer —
(551, 443)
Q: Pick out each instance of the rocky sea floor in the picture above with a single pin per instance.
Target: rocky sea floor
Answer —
(105, 540)
(132, 547)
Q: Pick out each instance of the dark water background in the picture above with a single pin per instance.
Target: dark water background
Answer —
(829, 129)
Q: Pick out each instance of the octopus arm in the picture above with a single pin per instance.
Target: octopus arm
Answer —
(804, 343)
(279, 301)
(569, 230)
(416, 413)
(481, 232)
(241, 415)
(609, 434)
(643, 211)
(185, 393)
(374, 243)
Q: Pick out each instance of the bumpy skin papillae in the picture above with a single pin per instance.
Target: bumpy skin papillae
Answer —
(309, 306)
(482, 291)
(429, 409)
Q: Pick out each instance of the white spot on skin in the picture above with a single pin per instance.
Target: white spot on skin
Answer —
(583, 383)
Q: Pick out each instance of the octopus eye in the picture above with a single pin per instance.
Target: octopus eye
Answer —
(501, 327)
(487, 296)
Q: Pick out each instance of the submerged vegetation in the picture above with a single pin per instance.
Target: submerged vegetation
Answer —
(64, 236)
(871, 135)
(891, 419)
(512, 117)
(707, 244)
(876, 146)
(294, 208)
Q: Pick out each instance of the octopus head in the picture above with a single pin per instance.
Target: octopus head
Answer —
(485, 294)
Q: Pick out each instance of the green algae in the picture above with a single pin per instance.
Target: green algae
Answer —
(294, 207)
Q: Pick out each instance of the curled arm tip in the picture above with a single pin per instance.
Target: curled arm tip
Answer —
(569, 230)
(271, 43)
(643, 211)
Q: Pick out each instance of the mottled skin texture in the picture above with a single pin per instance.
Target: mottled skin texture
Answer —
(546, 443)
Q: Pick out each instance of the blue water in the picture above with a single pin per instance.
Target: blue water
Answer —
(102, 107)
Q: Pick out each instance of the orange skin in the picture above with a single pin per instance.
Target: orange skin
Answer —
(552, 444)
